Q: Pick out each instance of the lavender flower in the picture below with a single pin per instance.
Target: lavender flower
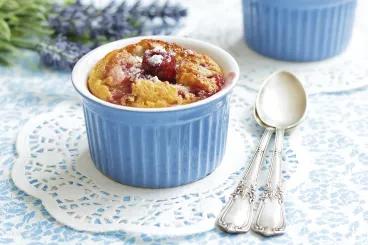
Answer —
(115, 21)
(61, 54)
(164, 12)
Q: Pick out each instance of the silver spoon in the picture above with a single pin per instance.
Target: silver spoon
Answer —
(281, 104)
(237, 215)
(259, 121)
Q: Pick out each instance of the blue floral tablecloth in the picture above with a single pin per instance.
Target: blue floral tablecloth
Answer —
(329, 207)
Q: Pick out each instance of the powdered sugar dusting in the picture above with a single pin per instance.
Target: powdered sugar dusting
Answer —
(156, 59)
(155, 79)
(160, 49)
(134, 73)
(157, 49)
(135, 69)
(117, 75)
(138, 59)
(188, 52)
(181, 88)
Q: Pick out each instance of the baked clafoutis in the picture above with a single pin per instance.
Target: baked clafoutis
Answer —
(156, 108)
(154, 74)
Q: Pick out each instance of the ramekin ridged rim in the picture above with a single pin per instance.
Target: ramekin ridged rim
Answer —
(81, 86)
(304, 5)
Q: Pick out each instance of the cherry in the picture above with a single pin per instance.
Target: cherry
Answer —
(161, 64)
(118, 92)
(199, 92)
(219, 81)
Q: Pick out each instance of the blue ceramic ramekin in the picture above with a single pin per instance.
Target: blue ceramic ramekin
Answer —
(157, 147)
(298, 30)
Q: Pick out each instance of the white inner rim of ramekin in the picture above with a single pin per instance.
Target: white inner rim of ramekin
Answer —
(84, 65)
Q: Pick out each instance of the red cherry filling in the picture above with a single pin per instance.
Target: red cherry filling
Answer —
(203, 94)
(219, 81)
(161, 64)
(118, 92)
(181, 93)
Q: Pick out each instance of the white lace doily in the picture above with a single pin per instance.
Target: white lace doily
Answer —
(54, 165)
(347, 71)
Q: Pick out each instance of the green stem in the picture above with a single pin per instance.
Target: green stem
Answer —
(39, 29)
(26, 44)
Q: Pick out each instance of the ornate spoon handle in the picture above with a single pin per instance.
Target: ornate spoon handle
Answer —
(270, 218)
(236, 216)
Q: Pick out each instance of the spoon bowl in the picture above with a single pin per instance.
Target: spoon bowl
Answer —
(263, 125)
(282, 101)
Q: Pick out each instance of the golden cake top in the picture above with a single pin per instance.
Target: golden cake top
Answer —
(153, 73)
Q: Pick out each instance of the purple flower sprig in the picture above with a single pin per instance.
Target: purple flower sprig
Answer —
(115, 21)
(60, 53)
(165, 12)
